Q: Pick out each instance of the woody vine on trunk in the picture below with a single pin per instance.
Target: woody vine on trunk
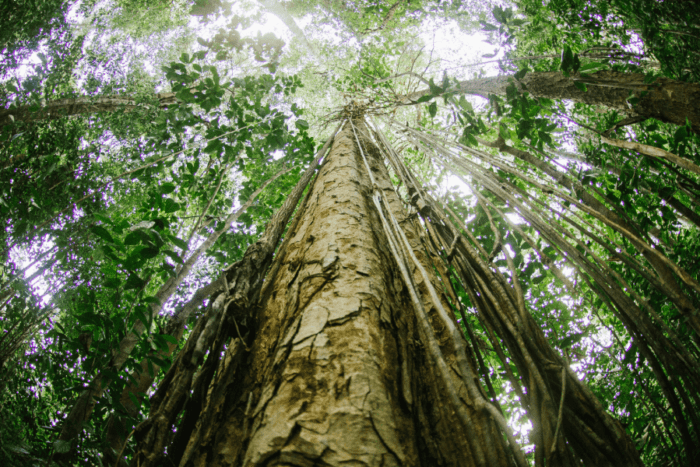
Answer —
(351, 352)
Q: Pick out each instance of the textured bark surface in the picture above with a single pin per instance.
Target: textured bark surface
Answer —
(336, 374)
(665, 99)
(237, 289)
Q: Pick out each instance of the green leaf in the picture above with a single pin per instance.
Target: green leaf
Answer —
(425, 98)
(435, 90)
(112, 283)
(580, 86)
(148, 253)
(153, 300)
(568, 341)
(160, 223)
(166, 188)
(104, 219)
(649, 77)
(302, 124)
(512, 91)
(498, 14)
(630, 354)
(109, 374)
(591, 66)
(102, 233)
(132, 239)
(144, 237)
(577, 63)
(567, 59)
(179, 243)
(171, 206)
(521, 73)
(432, 108)
(680, 134)
(19, 449)
(139, 315)
(133, 282)
(465, 104)
(160, 342)
(134, 399)
(164, 364)
(61, 446)
(667, 192)
(539, 279)
(214, 146)
(168, 338)
(470, 140)
(138, 173)
(90, 318)
(174, 256)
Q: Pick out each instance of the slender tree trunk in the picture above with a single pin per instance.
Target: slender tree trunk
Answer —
(337, 373)
(82, 409)
(77, 106)
(664, 99)
(117, 429)
(676, 293)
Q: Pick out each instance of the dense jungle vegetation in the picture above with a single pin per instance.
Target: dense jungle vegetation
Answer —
(349, 232)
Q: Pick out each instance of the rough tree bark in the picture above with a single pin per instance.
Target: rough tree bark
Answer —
(665, 99)
(337, 373)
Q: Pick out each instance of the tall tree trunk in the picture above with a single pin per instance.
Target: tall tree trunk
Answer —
(338, 373)
(665, 99)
